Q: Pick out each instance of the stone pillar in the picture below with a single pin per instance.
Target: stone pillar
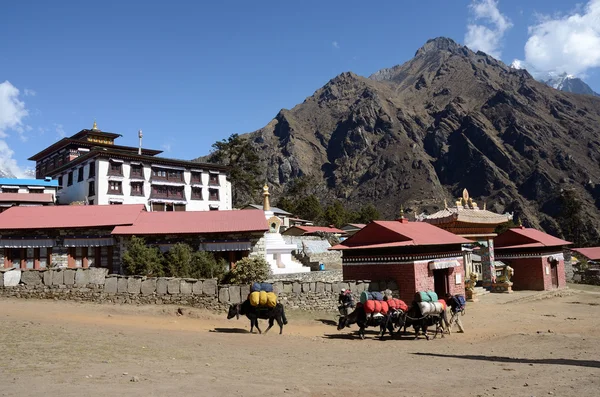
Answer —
(487, 264)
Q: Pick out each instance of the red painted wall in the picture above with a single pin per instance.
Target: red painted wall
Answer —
(530, 273)
(410, 277)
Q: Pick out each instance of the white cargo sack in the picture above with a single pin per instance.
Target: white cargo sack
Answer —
(430, 308)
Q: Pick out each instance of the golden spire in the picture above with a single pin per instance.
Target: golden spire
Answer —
(445, 204)
(95, 126)
(519, 222)
(484, 205)
(266, 194)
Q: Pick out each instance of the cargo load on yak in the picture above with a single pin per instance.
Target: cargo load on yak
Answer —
(365, 296)
(378, 296)
(426, 296)
(430, 308)
(374, 306)
(257, 287)
(262, 299)
(397, 304)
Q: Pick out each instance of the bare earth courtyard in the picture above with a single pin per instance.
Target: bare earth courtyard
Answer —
(524, 344)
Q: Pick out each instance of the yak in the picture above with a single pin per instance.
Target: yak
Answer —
(253, 313)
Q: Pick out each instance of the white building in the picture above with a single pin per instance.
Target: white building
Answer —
(91, 169)
(27, 192)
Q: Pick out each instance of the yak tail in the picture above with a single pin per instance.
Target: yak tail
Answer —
(283, 317)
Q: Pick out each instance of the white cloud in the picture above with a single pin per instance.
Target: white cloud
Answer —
(335, 44)
(487, 29)
(60, 130)
(166, 147)
(29, 92)
(12, 114)
(565, 43)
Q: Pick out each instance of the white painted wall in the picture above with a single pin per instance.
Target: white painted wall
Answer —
(79, 190)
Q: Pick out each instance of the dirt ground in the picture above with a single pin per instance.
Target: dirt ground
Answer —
(524, 344)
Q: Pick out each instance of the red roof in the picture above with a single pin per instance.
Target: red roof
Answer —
(522, 237)
(388, 234)
(313, 229)
(26, 197)
(592, 253)
(196, 222)
(69, 216)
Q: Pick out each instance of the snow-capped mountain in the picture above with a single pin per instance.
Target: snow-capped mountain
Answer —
(6, 174)
(568, 83)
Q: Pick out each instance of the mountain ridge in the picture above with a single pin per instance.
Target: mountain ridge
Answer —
(416, 134)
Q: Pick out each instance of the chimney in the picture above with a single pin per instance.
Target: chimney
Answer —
(140, 135)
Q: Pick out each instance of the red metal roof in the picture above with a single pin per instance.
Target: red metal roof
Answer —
(69, 216)
(313, 229)
(196, 222)
(388, 234)
(592, 253)
(26, 197)
(522, 237)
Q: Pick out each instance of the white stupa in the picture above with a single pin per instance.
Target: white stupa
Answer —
(279, 254)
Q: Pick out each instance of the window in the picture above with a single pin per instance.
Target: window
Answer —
(80, 176)
(70, 179)
(137, 188)
(213, 194)
(167, 207)
(34, 191)
(115, 187)
(112, 202)
(91, 202)
(197, 177)
(91, 188)
(115, 169)
(10, 190)
(213, 179)
(92, 172)
(136, 171)
(196, 193)
(167, 175)
(174, 192)
(60, 181)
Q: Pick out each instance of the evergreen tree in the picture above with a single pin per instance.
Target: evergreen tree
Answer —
(309, 208)
(368, 214)
(179, 260)
(245, 171)
(336, 214)
(141, 260)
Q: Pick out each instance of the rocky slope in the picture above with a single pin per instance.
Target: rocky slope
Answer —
(448, 119)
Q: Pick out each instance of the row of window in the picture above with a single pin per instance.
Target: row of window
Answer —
(158, 191)
(80, 171)
(161, 174)
(16, 190)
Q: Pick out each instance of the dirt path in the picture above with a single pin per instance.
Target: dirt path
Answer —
(515, 345)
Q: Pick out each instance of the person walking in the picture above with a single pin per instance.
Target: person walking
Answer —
(456, 308)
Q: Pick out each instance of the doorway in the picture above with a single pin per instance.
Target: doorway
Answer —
(554, 273)
(440, 282)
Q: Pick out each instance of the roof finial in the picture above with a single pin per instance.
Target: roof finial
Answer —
(519, 221)
(445, 204)
(266, 194)
(484, 205)
(95, 126)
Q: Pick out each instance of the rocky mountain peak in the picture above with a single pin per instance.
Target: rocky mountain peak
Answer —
(439, 44)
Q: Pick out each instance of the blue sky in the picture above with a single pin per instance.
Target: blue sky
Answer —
(190, 74)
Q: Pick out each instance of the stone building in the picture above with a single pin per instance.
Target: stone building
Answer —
(536, 257)
(63, 236)
(416, 255)
(96, 236)
(27, 192)
(91, 169)
(312, 231)
(467, 220)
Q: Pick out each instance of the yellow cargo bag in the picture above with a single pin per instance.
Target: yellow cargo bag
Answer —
(271, 299)
(262, 298)
(254, 298)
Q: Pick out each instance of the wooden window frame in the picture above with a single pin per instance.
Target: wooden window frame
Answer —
(213, 179)
(80, 175)
(196, 177)
(92, 171)
(118, 168)
(136, 167)
(135, 193)
(212, 193)
(195, 195)
(70, 178)
(115, 192)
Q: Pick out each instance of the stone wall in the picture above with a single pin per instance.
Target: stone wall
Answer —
(589, 276)
(95, 285)
(331, 259)
(328, 276)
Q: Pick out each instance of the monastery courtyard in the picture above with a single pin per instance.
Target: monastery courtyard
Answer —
(523, 344)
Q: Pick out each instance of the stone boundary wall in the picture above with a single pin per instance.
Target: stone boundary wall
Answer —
(328, 276)
(95, 285)
(588, 276)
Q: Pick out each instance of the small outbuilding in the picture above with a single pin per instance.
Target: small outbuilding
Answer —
(536, 257)
(416, 255)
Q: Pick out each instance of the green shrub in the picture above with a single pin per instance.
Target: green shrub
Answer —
(249, 270)
(204, 265)
(179, 260)
(139, 259)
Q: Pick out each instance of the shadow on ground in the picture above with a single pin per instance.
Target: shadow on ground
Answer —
(547, 361)
(230, 330)
(327, 322)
